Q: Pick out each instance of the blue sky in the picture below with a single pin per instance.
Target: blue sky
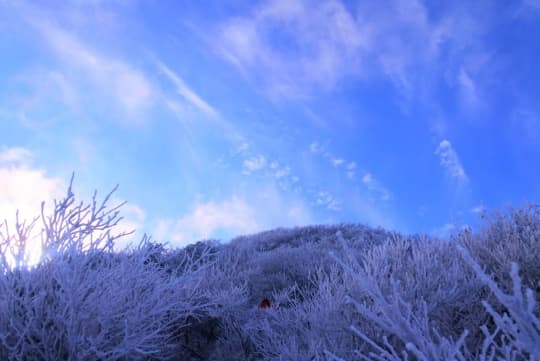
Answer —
(226, 118)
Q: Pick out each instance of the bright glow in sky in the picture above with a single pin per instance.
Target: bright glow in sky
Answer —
(224, 118)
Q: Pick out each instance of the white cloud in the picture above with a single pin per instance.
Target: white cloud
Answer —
(296, 48)
(376, 187)
(336, 162)
(326, 43)
(351, 167)
(323, 39)
(280, 173)
(367, 178)
(23, 189)
(264, 207)
(327, 200)
(242, 147)
(275, 208)
(186, 92)
(468, 88)
(233, 216)
(315, 148)
(478, 209)
(450, 161)
(179, 109)
(253, 164)
(128, 86)
(15, 155)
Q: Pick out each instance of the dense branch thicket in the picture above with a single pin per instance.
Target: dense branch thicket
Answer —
(343, 292)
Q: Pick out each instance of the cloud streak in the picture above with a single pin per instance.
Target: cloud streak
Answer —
(186, 92)
(15, 155)
(128, 86)
(297, 48)
(253, 164)
(450, 162)
(321, 41)
(374, 186)
(469, 92)
(327, 200)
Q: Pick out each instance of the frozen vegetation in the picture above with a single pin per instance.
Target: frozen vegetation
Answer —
(343, 292)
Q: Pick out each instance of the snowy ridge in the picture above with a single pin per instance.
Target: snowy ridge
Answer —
(343, 292)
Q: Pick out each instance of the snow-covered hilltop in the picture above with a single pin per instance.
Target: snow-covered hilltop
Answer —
(342, 292)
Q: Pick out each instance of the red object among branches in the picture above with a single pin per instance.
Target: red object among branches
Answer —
(265, 303)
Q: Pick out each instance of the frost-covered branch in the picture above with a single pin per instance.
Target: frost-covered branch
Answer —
(80, 227)
(520, 326)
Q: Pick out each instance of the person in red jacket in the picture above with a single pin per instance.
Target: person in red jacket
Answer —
(265, 303)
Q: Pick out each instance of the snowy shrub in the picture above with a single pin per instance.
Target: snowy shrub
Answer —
(430, 272)
(322, 236)
(266, 271)
(519, 328)
(230, 297)
(408, 331)
(510, 236)
(293, 237)
(179, 261)
(82, 302)
(284, 267)
(301, 330)
(276, 295)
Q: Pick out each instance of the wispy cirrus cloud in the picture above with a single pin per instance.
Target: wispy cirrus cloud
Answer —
(128, 86)
(327, 200)
(374, 186)
(282, 172)
(468, 89)
(321, 41)
(88, 75)
(186, 92)
(316, 148)
(253, 164)
(336, 162)
(15, 155)
(282, 175)
(351, 170)
(294, 48)
(450, 162)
